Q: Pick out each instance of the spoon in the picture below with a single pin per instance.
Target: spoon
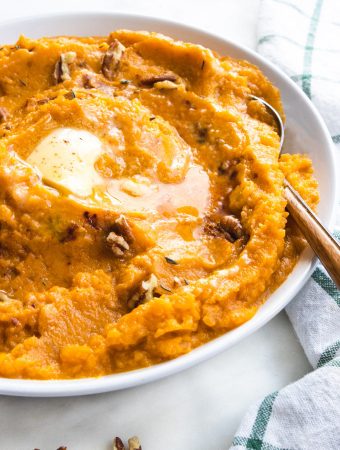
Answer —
(326, 248)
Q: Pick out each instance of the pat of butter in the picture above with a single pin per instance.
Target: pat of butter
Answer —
(66, 158)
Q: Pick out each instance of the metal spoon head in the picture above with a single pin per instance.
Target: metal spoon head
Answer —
(277, 118)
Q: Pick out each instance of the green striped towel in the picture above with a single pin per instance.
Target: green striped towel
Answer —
(303, 38)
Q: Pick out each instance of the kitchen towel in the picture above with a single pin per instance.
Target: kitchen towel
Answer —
(303, 38)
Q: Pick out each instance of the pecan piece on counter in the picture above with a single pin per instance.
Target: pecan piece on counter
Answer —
(117, 243)
(151, 81)
(134, 443)
(111, 59)
(61, 70)
(231, 227)
(118, 444)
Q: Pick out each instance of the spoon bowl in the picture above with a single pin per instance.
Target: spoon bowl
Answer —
(324, 245)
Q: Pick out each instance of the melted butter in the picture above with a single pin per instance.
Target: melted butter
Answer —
(191, 196)
(66, 157)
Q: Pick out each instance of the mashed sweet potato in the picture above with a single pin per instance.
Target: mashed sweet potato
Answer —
(182, 232)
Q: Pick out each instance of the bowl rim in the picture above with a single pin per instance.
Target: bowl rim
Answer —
(87, 386)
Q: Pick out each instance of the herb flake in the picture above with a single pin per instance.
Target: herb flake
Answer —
(170, 261)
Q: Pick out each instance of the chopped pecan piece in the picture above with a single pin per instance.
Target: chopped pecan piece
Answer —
(91, 219)
(227, 226)
(228, 167)
(122, 227)
(70, 95)
(11, 272)
(4, 297)
(224, 167)
(166, 85)
(43, 101)
(134, 443)
(118, 444)
(231, 227)
(202, 134)
(117, 243)
(61, 70)
(151, 81)
(120, 236)
(88, 81)
(3, 115)
(111, 59)
(70, 233)
(14, 321)
(32, 103)
(149, 286)
(145, 292)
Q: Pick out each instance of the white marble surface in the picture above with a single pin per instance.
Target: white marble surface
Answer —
(198, 409)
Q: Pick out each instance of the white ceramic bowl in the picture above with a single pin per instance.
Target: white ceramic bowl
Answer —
(305, 132)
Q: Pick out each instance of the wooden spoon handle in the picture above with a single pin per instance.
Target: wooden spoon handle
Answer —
(322, 242)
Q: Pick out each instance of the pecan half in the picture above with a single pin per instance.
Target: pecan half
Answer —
(231, 227)
(149, 82)
(117, 243)
(111, 59)
(134, 443)
(61, 70)
(118, 444)
(227, 226)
